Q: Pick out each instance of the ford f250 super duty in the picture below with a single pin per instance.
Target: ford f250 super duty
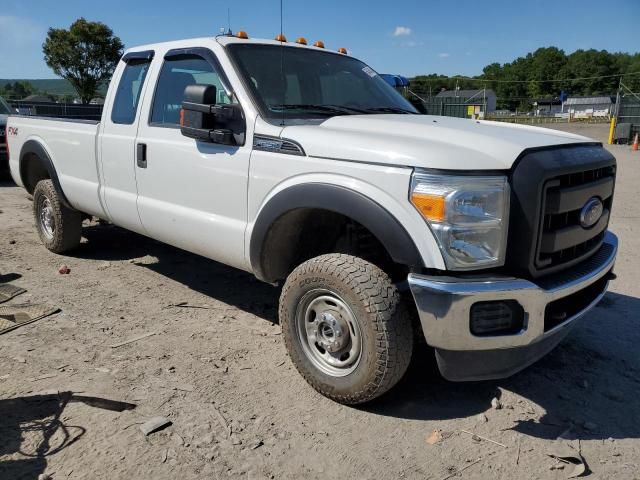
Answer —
(304, 167)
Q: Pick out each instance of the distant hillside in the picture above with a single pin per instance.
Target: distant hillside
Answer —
(54, 86)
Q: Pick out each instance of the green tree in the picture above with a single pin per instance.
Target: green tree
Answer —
(86, 55)
(545, 64)
(17, 90)
(629, 64)
(592, 63)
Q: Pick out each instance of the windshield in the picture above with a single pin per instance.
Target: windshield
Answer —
(315, 84)
(4, 108)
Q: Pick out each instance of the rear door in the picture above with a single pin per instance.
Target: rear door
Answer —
(191, 194)
(117, 141)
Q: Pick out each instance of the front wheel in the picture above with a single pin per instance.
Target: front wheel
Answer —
(59, 227)
(345, 327)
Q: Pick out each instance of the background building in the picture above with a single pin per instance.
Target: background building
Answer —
(463, 103)
(547, 106)
(588, 107)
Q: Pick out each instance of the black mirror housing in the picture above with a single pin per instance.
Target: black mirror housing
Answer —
(203, 120)
(196, 107)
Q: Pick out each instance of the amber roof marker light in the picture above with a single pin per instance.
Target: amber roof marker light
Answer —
(342, 50)
(319, 44)
(242, 34)
(301, 41)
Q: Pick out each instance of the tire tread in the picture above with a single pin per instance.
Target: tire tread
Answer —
(68, 222)
(390, 320)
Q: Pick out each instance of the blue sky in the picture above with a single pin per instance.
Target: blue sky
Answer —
(410, 37)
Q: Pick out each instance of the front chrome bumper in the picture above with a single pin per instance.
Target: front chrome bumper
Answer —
(444, 305)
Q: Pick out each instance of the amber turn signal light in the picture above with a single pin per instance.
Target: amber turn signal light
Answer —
(432, 207)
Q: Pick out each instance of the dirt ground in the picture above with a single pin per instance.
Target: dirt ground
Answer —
(220, 373)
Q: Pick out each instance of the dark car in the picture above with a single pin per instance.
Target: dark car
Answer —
(5, 110)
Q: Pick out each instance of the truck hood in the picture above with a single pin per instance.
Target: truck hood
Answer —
(424, 141)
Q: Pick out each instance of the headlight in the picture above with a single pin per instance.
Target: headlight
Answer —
(468, 216)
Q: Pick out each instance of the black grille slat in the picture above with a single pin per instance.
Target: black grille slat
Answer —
(572, 235)
(559, 311)
(575, 253)
(560, 200)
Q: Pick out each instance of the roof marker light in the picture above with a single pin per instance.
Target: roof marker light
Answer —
(281, 38)
(319, 44)
(342, 50)
(301, 41)
(242, 34)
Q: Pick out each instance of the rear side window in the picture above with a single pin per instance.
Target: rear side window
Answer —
(175, 76)
(128, 93)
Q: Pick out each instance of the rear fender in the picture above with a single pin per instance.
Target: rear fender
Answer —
(33, 151)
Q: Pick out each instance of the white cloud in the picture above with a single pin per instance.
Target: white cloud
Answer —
(401, 31)
(444, 55)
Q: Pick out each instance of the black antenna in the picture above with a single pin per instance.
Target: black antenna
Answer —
(281, 37)
(229, 32)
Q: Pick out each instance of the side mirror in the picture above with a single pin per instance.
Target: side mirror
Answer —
(202, 119)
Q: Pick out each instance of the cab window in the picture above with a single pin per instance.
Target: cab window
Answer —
(175, 76)
(128, 94)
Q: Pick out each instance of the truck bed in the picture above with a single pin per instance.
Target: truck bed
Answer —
(71, 147)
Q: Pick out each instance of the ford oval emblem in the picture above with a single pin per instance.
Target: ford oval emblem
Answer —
(591, 212)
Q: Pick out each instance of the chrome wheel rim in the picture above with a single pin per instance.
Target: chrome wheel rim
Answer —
(47, 222)
(329, 332)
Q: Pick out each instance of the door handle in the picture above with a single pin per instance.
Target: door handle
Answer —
(141, 155)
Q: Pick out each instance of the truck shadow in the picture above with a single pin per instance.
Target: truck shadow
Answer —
(31, 430)
(229, 285)
(592, 377)
(590, 382)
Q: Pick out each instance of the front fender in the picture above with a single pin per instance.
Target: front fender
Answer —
(339, 199)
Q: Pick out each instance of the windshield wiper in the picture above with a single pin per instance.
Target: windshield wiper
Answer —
(330, 109)
(390, 110)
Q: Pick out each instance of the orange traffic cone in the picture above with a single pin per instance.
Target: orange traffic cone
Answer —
(634, 147)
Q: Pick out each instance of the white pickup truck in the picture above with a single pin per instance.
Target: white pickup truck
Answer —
(302, 166)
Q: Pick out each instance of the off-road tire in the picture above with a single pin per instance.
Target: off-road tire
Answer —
(67, 222)
(385, 324)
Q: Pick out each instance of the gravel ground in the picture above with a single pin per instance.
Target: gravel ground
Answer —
(238, 408)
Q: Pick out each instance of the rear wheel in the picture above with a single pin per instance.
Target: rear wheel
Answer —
(59, 227)
(345, 327)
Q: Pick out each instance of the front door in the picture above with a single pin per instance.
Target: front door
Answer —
(191, 194)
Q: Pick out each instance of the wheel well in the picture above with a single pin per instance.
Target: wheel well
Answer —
(32, 170)
(305, 233)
